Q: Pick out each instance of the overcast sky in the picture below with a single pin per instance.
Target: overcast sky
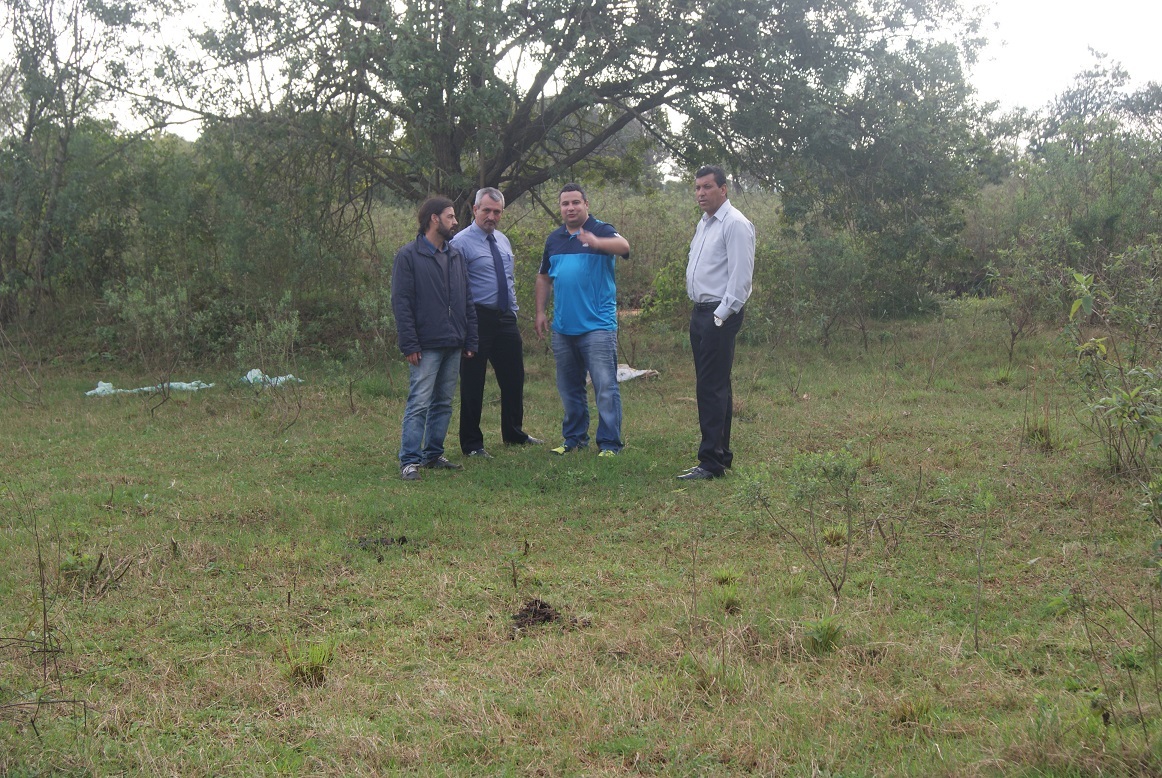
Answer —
(1038, 46)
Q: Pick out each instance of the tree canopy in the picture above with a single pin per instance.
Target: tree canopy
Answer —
(856, 114)
(451, 95)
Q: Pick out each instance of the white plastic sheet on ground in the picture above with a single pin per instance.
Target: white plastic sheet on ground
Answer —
(256, 376)
(627, 373)
(105, 389)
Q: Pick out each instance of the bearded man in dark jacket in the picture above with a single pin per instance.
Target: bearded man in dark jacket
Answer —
(436, 322)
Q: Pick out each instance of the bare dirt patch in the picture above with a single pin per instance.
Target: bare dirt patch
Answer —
(533, 613)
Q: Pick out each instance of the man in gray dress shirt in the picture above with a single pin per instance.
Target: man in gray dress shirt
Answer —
(491, 274)
(718, 281)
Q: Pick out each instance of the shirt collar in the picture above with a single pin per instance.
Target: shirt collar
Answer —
(584, 226)
(721, 213)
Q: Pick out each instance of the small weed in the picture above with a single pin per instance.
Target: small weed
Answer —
(1075, 685)
(307, 666)
(818, 485)
(725, 576)
(1059, 605)
(93, 575)
(76, 566)
(1038, 425)
(1156, 558)
(822, 636)
(1152, 504)
(728, 599)
(1130, 659)
(573, 479)
(835, 536)
(1067, 498)
(795, 584)
(1099, 705)
(710, 673)
(910, 712)
(1046, 722)
(1039, 437)
(625, 746)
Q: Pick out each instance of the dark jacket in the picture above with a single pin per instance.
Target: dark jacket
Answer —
(433, 307)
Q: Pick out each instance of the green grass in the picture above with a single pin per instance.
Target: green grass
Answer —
(233, 544)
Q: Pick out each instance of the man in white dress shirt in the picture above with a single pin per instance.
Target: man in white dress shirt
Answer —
(718, 281)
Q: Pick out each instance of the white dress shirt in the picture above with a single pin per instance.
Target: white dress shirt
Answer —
(721, 260)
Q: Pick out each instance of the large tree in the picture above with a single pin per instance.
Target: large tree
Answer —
(450, 95)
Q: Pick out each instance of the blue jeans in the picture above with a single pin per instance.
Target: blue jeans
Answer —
(429, 408)
(595, 352)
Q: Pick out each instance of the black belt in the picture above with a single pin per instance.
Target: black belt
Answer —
(707, 306)
(490, 309)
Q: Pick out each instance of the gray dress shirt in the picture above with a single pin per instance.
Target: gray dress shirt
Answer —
(472, 242)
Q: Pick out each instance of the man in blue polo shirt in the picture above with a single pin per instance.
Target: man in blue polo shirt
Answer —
(578, 268)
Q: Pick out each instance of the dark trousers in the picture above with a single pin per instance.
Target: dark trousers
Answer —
(713, 349)
(500, 345)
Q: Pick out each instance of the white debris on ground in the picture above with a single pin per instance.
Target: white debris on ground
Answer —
(105, 389)
(256, 376)
(627, 373)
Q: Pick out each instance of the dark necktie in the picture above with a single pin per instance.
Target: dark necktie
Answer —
(501, 279)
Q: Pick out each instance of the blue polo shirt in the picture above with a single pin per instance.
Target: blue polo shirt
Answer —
(584, 286)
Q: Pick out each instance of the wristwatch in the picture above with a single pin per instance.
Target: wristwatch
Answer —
(717, 322)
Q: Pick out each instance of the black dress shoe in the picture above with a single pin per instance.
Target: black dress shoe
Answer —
(698, 474)
(442, 463)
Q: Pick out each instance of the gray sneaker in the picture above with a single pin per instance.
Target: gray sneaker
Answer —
(479, 454)
(442, 463)
(699, 473)
(410, 472)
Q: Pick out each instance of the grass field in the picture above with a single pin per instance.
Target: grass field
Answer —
(240, 583)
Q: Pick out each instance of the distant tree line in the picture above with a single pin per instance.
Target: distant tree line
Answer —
(878, 180)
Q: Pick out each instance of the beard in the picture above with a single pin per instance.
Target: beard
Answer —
(446, 232)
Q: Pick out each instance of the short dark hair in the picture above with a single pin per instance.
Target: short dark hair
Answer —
(571, 187)
(712, 170)
(433, 206)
